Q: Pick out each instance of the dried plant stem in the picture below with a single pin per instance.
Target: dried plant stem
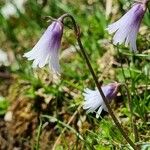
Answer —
(70, 120)
(77, 32)
(108, 7)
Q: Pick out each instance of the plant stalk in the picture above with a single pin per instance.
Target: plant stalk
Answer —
(77, 33)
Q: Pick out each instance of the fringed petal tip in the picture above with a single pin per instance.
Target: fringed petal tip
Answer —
(54, 65)
(112, 28)
(56, 72)
(26, 55)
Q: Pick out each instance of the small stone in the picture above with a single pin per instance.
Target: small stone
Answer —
(8, 116)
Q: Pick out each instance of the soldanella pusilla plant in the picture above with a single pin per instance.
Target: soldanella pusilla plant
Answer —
(87, 61)
(46, 51)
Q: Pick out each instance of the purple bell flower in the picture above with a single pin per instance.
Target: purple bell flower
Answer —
(46, 51)
(127, 27)
(94, 101)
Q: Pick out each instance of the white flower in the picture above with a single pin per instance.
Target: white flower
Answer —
(4, 58)
(127, 27)
(10, 8)
(47, 48)
(94, 101)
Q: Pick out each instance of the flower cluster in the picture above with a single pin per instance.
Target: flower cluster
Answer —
(46, 51)
(47, 48)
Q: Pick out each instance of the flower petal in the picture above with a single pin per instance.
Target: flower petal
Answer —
(94, 101)
(46, 51)
(99, 111)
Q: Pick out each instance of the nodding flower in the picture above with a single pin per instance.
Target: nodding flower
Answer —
(127, 27)
(94, 101)
(46, 51)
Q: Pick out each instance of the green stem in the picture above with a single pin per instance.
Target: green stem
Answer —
(38, 135)
(133, 120)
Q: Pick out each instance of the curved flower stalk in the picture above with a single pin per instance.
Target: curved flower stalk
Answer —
(127, 27)
(94, 101)
(46, 51)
